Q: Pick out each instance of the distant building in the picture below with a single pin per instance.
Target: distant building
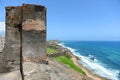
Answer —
(2, 42)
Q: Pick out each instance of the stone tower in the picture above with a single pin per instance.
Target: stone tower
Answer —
(33, 32)
(11, 52)
(25, 38)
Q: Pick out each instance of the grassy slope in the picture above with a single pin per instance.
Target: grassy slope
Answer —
(67, 61)
(51, 51)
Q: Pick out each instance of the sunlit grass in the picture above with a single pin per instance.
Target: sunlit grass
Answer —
(68, 62)
(51, 51)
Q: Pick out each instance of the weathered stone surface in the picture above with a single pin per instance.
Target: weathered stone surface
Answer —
(10, 60)
(2, 41)
(15, 75)
(13, 16)
(34, 33)
(25, 39)
(53, 71)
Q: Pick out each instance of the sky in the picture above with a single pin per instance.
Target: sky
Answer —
(94, 20)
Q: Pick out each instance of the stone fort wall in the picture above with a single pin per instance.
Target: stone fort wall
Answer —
(2, 42)
(25, 38)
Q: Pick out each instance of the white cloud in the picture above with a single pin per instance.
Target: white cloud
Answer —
(2, 26)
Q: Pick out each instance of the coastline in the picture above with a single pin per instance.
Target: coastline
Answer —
(75, 60)
(87, 71)
(69, 52)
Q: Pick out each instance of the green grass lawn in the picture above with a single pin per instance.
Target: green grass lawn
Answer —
(68, 62)
(51, 51)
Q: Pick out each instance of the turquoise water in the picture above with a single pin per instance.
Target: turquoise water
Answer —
(103, 58)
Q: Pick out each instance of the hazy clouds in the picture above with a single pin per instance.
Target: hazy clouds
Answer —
(2, 26)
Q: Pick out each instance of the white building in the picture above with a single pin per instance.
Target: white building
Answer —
(2, 42)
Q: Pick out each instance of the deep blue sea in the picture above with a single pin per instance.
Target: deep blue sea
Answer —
(101, 57)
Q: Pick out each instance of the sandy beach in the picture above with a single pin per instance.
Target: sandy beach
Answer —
(88, 72)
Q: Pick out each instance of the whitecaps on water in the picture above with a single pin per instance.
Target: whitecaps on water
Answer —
(94, 65)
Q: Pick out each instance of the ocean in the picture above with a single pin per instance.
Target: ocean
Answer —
(101, 57)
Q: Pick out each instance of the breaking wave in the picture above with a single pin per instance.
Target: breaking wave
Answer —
(95, 66)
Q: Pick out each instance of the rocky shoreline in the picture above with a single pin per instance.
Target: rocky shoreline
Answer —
(75, 59)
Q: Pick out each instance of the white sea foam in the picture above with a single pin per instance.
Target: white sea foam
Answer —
(94, 65)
